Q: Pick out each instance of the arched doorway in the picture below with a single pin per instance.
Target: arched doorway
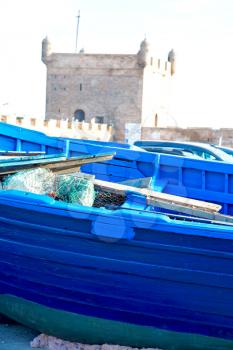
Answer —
(79, 115)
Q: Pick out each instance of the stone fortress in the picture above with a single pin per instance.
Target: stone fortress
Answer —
(107, 96)
(115, 89)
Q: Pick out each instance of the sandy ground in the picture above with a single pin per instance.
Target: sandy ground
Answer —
(15, 337)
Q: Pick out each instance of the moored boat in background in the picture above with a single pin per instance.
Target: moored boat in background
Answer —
(125, 165)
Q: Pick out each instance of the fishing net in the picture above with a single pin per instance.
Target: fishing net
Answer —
(77, 188)
(39, 181)
(105, 199)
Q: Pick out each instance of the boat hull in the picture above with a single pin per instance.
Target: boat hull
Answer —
(144, 273)
(93, 330)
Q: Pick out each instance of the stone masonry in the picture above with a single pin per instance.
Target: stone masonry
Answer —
(108, 88)
(223, 136)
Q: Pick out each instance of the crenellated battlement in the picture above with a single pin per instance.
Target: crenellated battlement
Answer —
(63, 128)
(160, 66)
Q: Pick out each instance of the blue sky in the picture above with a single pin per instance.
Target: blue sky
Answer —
(200, 31)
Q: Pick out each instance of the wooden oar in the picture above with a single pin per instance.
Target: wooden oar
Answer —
(73, 165)
(150, 194)
(57, 163)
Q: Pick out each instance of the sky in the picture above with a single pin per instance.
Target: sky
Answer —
(200, 32)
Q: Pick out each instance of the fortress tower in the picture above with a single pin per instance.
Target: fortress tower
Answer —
(46, 49)
(107, 88)
(172, 60)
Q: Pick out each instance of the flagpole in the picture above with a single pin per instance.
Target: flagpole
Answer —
(76, 42)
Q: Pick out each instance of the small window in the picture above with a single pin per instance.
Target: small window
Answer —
(79, 115)
(80, 87)
(99, 120)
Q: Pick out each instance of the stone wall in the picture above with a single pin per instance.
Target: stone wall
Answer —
(222, 136)
(100, 85)
(156, 92)
(63, 128)
(105, 132)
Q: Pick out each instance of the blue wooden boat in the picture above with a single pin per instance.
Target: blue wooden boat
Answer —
(182, 176)
(118, 276)
(127, 275)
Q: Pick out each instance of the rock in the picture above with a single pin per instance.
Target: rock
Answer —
(44, 341)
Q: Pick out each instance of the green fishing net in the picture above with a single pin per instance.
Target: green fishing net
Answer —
(40, 181)
(77, 188)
